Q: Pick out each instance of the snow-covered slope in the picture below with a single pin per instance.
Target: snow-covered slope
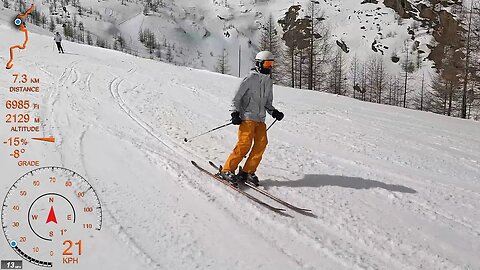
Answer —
(391, 188)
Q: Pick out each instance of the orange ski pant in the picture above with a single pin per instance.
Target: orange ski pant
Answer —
(249, 132)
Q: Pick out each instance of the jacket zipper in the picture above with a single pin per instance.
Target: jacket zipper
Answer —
(259, 103)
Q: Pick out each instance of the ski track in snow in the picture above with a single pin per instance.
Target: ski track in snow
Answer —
(54, 98)
(380, 242)
(115, 92)
(354, 235)
(421, 207)
(64, 85)
(114, 87)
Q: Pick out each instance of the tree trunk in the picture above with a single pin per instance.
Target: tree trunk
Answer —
(467, 65)
(300, 69)
(310, 68)
(292, 60)
(406, 81)
(450, 99)
(355, 81)
(239, 60)
(421, 97)
(445, 98)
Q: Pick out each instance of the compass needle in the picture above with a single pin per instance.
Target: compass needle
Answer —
(51, 216)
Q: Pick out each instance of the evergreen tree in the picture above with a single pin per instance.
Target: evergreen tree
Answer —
(121, 42)
(337, 77)
(440, 94)
(318, 36)
(89, 38)
(68, 30)
(145, 9)
(150, 41)
(354, 75)
(469, 40)
(269, 42)
(296, 34)
(141, 36)
(51, 25)
(408, 67)
(222, 63)
(159, 51)
(169, 53)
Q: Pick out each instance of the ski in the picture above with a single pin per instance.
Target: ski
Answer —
(280, 201)
(275, 209)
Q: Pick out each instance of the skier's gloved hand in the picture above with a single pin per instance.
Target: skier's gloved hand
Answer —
(236, 120)
(277, 115)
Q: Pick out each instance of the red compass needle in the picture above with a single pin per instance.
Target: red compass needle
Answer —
(51, 216)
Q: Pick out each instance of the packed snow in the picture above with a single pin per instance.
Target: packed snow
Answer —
(390, 188)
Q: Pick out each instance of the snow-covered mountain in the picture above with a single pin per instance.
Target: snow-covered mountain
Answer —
(195, 33)
(391, 188)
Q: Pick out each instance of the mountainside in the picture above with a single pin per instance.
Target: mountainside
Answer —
(391, 188)
(195, 34)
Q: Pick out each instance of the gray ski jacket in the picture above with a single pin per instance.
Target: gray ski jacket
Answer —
(57, 38)
(254, 97)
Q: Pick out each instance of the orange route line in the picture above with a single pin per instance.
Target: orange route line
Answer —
(22, 29)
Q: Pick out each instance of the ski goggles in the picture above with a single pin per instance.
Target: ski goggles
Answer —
(268, 64)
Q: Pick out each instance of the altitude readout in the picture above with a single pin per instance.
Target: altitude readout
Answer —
(50, 216)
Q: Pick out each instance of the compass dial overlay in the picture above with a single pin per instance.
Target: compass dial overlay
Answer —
(50, 215)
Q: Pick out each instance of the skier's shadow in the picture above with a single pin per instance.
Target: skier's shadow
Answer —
(323, 180)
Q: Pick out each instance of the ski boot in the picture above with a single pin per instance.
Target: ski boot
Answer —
(248, 177)
(228, 176)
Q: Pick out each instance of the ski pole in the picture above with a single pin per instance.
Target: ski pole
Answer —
(272, 124)
(222, 126)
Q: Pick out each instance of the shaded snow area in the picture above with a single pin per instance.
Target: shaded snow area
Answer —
(391, 188)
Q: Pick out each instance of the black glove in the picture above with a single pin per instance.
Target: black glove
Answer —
(277, 115)
(236, 120)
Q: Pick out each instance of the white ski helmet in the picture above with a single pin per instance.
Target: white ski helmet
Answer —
(264, 55)
(264, 62)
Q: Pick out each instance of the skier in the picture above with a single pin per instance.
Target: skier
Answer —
(58, 40)
(251, 102)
